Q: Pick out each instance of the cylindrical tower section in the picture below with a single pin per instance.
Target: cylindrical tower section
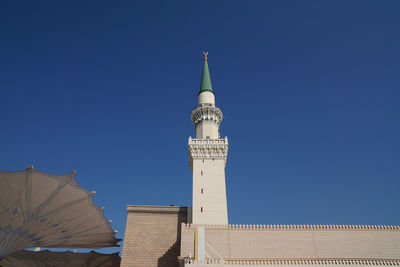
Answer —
(206, 97)
(207, 130)
(207, 118)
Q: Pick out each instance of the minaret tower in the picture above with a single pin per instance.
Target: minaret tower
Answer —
(207, 157)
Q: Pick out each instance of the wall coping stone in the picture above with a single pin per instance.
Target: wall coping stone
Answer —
(156, 209)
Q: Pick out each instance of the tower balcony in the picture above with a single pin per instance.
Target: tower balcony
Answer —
(207, 112)
(207, 149)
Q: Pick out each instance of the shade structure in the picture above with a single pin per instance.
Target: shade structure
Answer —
(26, 258)
(43, 210)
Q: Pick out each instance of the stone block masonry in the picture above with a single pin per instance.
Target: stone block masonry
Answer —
(261, 242)
(152, 236)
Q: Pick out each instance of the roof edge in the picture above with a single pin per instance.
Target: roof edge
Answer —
(156, 209)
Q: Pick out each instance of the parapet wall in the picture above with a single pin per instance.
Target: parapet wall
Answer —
(285, 242)
(152, 236)
(291, 263)
(299, 226)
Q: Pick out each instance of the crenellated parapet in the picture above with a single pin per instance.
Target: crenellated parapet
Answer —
(207, 112)
(298, 227)
(188, 261)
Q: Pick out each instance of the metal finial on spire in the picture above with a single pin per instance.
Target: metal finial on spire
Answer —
(205, 53)
(205, 78)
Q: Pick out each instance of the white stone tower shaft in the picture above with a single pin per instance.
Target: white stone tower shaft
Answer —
(207, 158)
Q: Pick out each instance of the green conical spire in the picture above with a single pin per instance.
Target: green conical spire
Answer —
(205, 79)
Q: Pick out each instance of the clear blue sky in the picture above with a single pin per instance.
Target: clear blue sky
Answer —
(310, 92)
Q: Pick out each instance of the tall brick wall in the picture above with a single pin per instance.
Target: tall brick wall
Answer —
(297, 242)
(152, 236)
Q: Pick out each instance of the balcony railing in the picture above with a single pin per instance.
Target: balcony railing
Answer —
(221, 141)
(205, 105)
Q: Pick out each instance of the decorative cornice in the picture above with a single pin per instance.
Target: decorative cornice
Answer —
(298, 227)
(207, 112)
(286, 262)
(156, 209)
(208, 148)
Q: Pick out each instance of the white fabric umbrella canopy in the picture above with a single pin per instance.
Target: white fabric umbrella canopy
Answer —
(43, 210)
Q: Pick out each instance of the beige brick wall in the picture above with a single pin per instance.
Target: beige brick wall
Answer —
(313, 243)
(152, 236)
